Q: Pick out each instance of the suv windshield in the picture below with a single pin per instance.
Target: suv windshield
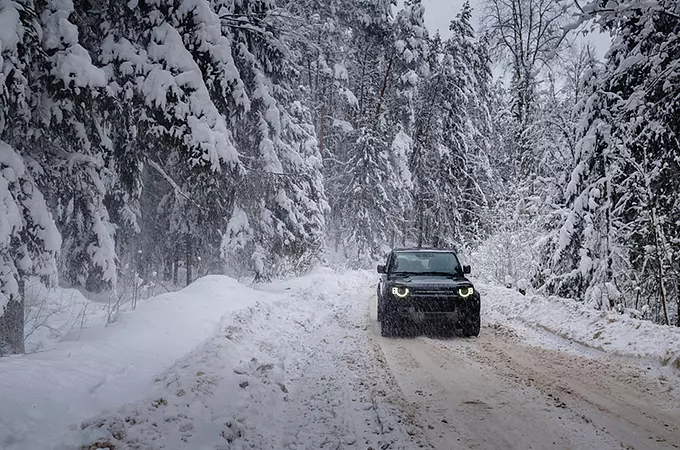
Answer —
(425, 262)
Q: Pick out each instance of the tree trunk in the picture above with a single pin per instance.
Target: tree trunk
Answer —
(321, 133)
(420, 223)
(167, 268)
(12, 325)
(677, 296)
(175, 267)
(661, 274)
(188, 260)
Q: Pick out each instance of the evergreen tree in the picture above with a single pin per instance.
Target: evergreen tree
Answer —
(367, 207)
(584, 251)
(449, 161)
(282, 192)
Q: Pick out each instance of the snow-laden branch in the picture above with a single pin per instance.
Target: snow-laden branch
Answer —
(154, 165)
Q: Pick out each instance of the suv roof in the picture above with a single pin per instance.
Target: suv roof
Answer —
(424, 249)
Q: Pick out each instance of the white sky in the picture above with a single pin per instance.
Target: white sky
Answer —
(439, 13)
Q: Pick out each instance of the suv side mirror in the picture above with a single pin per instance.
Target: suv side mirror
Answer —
(382, 269)
(466, 270)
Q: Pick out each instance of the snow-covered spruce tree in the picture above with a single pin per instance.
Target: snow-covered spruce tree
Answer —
(408, 67)
(57, 125)
(367, 207)
(409, 59)
(173, 65)
(370, 67)
(437, 220)
(29, 243)
(317, 34)
(76, 153)
(472, 59)
(449, 161)
(189, 73)
(281, 193)
(638, 133)
(381, 58)
(50, 119)
(361, 68)
(644, 63)
(644, 68)
(582, 260)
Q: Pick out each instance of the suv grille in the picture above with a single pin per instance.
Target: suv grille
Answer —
(432, 293)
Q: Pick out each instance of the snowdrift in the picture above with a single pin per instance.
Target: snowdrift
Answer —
(610, 332)
(100, 368)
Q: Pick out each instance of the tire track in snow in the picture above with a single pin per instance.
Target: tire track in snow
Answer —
(495, 392)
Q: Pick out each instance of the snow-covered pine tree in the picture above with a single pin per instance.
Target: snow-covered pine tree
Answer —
(449, 161)
(634, 130)
(29, 240)
(582, 261)
(281, 192)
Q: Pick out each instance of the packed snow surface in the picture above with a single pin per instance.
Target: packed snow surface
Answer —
(609, 331)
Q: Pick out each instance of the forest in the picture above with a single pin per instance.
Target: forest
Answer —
(169, 139)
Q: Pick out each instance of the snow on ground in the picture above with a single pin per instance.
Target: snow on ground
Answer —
(292, 364)
(610, 332)
(288, 365)
(52, 313)
(94, 369)
(298, 372)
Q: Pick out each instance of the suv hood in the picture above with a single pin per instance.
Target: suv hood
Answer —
(429, 281)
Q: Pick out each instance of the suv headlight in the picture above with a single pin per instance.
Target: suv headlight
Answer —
(466, 292)
(400, 292)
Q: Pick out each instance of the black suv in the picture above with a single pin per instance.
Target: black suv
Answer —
(427, 287)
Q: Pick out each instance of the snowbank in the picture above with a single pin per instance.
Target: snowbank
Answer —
(298, 372)
(53, 313)
(610, 332)
(95, 369)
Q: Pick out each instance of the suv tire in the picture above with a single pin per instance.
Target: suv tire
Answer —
(473, 327)
(389, 326)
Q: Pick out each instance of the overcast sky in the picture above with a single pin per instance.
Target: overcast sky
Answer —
(439, 13)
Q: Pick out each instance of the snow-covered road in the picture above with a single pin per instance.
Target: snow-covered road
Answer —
(301, 365)
(497, 392)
